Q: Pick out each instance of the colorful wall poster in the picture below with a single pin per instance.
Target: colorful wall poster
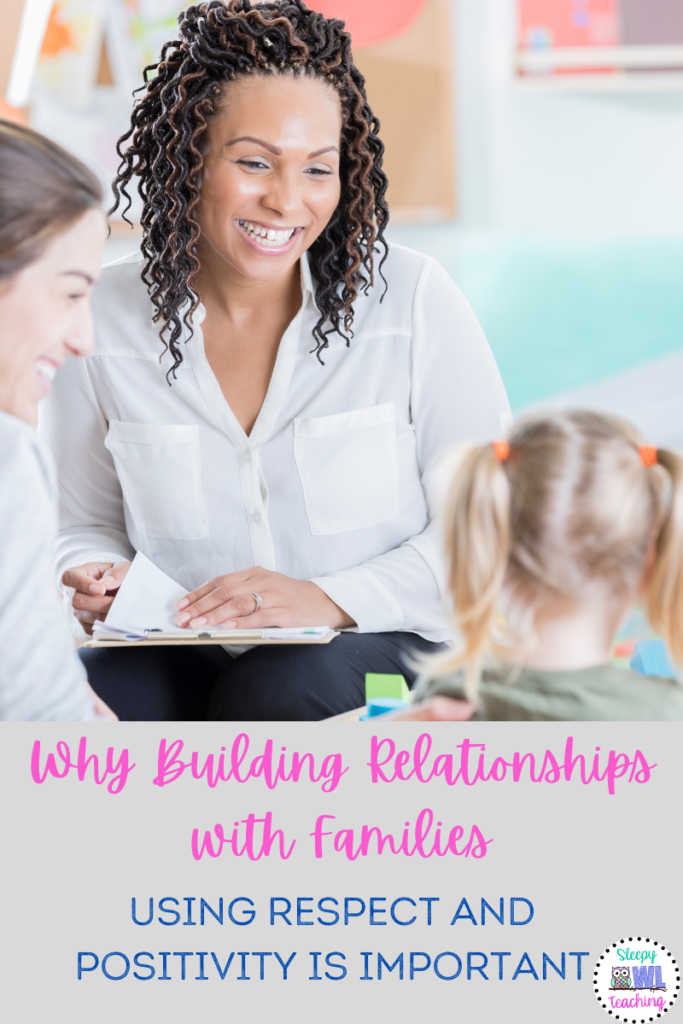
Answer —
(549, 23)
(579, 23)
(136, 31)
(70, 52)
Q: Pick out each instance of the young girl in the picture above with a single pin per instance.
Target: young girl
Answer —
(551, 537)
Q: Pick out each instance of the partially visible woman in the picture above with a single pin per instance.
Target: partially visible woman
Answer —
(52, 233)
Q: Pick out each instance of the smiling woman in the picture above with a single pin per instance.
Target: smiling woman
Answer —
(262, 206)
(270, 381)
(51, 238)
(265, 50)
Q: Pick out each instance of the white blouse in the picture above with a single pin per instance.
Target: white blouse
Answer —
(327, 487)
(41, 678)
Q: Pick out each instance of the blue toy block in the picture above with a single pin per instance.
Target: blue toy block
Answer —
(651, 658)
(381, 706)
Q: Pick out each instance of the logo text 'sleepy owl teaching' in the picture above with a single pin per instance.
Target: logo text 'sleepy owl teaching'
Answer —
(638, 986)
(466, 764)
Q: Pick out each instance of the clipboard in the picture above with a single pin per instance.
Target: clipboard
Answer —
(148, 595)
(228, 638)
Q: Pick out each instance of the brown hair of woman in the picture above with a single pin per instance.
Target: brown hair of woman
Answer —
(43, 189)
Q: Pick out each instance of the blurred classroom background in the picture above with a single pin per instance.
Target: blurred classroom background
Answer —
(534, 147)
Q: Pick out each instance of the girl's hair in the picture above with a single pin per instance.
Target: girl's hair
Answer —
(43, 189)
(573, 507)
(218, 43)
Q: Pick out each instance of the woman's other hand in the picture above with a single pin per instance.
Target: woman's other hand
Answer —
(95, 585)
(435, 709)
(229, 601)
(102, 709)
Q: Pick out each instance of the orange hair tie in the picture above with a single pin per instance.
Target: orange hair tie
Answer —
(648, 455)
(501, 449)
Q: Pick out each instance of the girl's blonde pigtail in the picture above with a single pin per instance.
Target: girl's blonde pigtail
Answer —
(476, 528)
(665, 590)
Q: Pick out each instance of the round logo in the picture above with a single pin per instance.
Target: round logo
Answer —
(636, 980)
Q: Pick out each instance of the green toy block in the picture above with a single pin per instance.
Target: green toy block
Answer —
(378, 684)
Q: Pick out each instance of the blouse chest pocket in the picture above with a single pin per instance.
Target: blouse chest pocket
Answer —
(159, 467)
(348, 468)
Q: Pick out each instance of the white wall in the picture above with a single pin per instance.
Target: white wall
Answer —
(558, 162)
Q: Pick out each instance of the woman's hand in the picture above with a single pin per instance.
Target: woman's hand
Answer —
(228, 601)
(102, 709)
(435, 709)
(94, 585)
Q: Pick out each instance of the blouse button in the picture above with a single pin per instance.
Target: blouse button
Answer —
(246, 456)
(256, 517)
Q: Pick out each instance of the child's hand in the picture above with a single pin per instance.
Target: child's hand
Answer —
(435, 709)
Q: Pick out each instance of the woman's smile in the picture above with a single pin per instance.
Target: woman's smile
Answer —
(45, 369)
(266, 239)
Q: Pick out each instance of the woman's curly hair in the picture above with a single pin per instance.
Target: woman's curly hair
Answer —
(220, 42)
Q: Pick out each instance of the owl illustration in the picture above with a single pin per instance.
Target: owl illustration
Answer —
(621, 977)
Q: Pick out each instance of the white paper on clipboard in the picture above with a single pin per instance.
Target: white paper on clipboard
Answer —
(146, 600)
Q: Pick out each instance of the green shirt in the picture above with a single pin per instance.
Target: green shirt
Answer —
(601, 693)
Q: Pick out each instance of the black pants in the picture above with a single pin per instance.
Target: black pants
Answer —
(284, 684)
